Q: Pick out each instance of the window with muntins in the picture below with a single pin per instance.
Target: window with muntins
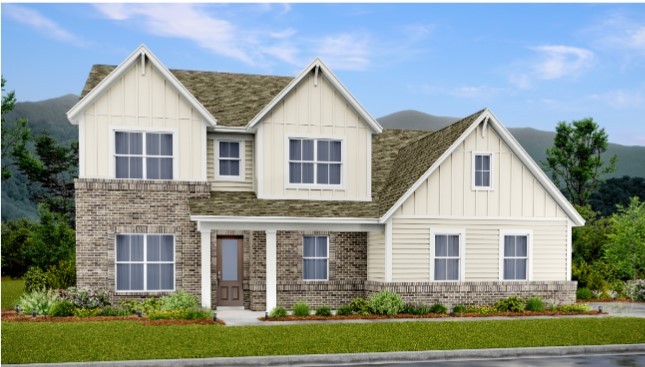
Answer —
(446, 257)
(315, 258)
(140, 155)
(315, 161)
(515, 257)
(145, 262)
(229, 159)
(482, 171)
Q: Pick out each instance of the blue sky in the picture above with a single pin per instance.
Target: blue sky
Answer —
(532, 64)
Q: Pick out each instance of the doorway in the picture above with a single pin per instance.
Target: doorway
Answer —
(230, 271)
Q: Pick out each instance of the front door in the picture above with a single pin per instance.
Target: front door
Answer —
(229, 271)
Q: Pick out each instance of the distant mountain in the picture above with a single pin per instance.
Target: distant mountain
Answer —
(631, 159)
(44, 116)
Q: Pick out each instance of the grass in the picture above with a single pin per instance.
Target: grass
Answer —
(24, 342)
(11, 292)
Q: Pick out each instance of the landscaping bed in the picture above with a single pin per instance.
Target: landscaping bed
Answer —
(12, 316)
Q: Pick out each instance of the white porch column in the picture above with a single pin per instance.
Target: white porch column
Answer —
(206, 267)
(271, 269)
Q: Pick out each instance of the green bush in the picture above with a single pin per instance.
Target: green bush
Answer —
(409, 308)
(182, 314)
(535, 303)
(344, 311)
(386, 303)
(482, 310)
(146, 306)
(635, 290)
(323, 311)
(40, 301)
(87, 312)
(61, 275)
(510, 304)
(301, 308)
(438, 308)
(114, 311)
(459, 309)
(179, 301)
(422, 310)
(360, 306)
(583, 294)
(576, 307)
(35, 279)
(86, 298)
(278, 312)
(62, 308)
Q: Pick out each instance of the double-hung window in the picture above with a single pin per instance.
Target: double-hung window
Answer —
(315, 161)
(482, 178)
(515, 260)
(315, 258)
(229, 160)
(447, 257)
(143, 155)
(145, 262)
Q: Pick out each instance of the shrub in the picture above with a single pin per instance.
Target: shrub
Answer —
(87, 312)
(278, 312)
(62, 308)
(40, 301)
(179, 301)
(635, 290)
(182, 314)
(147, 306)
(360, 306)
(510, 304)
(535, 303)
(459, 309)
(438, 308)
(583, 294)
(422, 310)
(301, 308)
(576, 307)
(61, 275)
(323, 311)
(114, 311)
(87, 298)
(344, 311)
(386, 303)
(409, 308)
(482, 310)
(35, 279)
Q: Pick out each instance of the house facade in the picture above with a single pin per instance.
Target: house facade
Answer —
(255, 191)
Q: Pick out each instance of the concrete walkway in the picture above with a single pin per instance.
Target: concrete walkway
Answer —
(626, 309)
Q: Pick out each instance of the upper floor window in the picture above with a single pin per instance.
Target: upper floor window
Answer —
(482, 170)
(143, 155)
(229, 160)
(315, 161)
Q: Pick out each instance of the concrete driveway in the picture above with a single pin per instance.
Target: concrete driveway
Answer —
(626, 309)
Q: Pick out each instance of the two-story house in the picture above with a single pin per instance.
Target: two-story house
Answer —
(257, 191)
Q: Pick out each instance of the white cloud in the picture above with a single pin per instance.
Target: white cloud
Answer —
(559, 61)
(286, 33)
(618, 32)
(621, 98)
(418, 32)
(344, 51)
(480, 91)
(42, 24)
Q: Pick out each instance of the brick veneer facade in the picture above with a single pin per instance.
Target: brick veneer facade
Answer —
(107, 207)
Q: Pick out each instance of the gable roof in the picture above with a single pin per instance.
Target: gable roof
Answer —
(317, 66)
(144, 54)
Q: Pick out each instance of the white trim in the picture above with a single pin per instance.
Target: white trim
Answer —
(230, 129)
(258, 172)
(141, 51)
(144, 130)
(285, 220)
(145, 262)
(81, 147)
(314, 258)
(388, 251)
(230, 136)
(371, 122)
(482, 218)
(204, 153)
(369, 167)
(242, 152)
(271, 270)
(322, 198)
(315, 162)
(569, 250)
(491, 156)
(462, 251)
(529, 252)
(206, 276)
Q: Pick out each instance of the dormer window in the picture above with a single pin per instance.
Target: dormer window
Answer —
(482, 168)
(315, 161)
(230, 164)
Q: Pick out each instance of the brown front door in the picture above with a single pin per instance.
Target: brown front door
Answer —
(229, 271)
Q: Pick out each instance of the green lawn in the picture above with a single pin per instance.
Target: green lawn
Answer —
(11, 291)
(124, 340)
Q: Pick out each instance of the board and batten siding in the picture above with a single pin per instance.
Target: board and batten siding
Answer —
(448, 191)
(376, 256)
(411, 247)
(145, 102)
(219, 185)
(310, 111)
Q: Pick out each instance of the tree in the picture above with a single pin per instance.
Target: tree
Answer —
(575, 161)
(14, 135)
(626, 241)
(589, 241)
(616, 191)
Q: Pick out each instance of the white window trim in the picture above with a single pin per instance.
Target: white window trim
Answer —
(242, 175)
(314, 258)
(462, 251)
(529, 253)
(472, 171)
(137, 129)
(343, 163)
(145, 262)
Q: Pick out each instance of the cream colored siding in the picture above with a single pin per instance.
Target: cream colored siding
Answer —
(375, 256)
(411, 247)
(310, 111)
(449, 190)
(220, 185)
(146, 103)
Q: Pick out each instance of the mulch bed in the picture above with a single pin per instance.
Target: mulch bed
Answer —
(430, 316)
(10, 315)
